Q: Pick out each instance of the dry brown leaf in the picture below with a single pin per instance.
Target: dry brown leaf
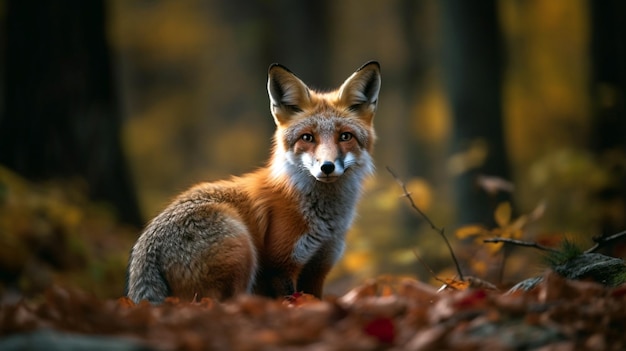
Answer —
(408, 315)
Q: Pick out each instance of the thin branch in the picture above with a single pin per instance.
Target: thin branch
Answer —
(520, 243)
(430, 270)
(603, 241)
(600, 242)
(432, 225)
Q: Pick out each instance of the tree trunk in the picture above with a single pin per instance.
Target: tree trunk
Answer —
(298, 37)
(472, 63)
(61, 116)
(608, 91)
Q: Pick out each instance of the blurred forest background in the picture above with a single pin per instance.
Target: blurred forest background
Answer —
(504, 118)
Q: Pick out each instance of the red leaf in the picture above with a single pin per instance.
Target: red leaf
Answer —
(473, 299)
(382, 329)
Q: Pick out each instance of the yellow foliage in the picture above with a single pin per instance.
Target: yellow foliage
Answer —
(386, 199)
(506, 229)
(432, 117)
(479, 267)
(491, 248)
(470, 230)
(355, 261)
(404, 257)
(502, 214)
(241, 143)
(472, 157)
(421, 193)
(168, 29)
(51, 233)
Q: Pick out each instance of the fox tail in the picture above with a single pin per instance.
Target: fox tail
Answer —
(146, 280)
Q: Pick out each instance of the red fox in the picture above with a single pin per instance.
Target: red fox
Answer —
(279, 229)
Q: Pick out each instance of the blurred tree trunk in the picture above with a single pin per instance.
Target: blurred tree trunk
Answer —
(421, 162)
(420, 155)
(472, 64)
(60, 116)
(298, 37)
(608, 91)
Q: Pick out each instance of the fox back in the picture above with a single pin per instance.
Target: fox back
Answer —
(281, 228)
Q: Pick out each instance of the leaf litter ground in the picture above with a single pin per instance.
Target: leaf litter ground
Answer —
(385, 314)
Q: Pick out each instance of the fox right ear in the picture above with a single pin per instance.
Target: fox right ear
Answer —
(360, 90)
(288, 94)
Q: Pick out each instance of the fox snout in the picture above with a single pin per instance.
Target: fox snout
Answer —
(328, 170)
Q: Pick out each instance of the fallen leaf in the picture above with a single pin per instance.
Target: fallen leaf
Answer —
(382, 329)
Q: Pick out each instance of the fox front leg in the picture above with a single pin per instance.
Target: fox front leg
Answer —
(274, 284)
(314, 272)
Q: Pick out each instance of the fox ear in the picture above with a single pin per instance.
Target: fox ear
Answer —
(360, 90)
(288, 94)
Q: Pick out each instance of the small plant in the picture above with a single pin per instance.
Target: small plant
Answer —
(567, 251)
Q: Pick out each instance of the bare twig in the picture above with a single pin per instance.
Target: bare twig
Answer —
(600, 242)
(430, 270)
(432, 225)
(520, 243)
(603, 241)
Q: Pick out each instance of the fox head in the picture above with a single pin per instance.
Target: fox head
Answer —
(323, 135)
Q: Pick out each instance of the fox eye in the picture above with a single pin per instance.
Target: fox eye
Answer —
(307, 137)
(345, 136)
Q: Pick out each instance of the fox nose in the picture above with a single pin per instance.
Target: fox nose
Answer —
(328, 167)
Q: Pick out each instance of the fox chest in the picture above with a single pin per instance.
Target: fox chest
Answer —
(297, 235)
(325, 230)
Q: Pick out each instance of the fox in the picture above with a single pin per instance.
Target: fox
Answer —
(279, 229)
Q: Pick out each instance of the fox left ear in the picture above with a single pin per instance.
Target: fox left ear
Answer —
(360, 90)
(288, 94)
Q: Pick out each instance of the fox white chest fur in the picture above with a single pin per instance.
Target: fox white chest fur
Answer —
(281, 228)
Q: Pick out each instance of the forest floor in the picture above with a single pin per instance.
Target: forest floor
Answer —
(384, 314)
